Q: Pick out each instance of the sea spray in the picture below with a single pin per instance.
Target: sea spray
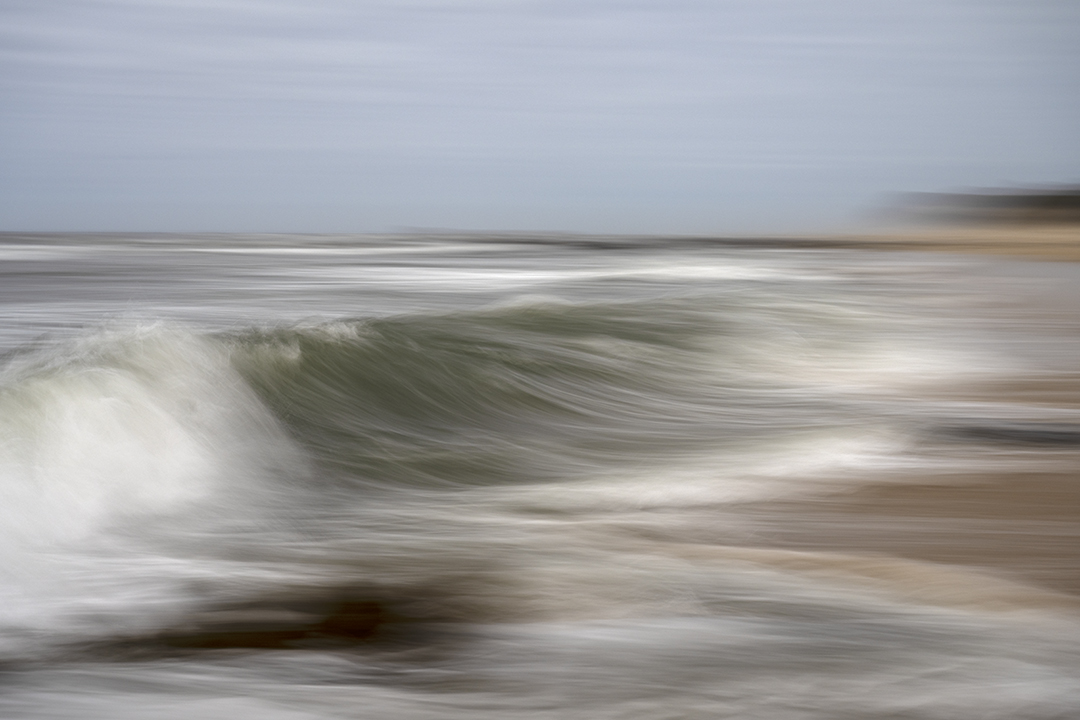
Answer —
(123, 432)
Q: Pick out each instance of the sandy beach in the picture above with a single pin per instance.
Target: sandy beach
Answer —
(1035, 241)
(1021, 525)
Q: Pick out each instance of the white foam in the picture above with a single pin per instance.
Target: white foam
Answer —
(510, 278)
(124, 424)
(15, 252)
(807, 463)
(109, 441)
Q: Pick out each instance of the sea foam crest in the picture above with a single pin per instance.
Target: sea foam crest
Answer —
(126, 423)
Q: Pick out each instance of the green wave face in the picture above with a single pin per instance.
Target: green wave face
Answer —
(519, 394)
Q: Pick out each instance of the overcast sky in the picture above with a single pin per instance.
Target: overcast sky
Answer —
(680, 116)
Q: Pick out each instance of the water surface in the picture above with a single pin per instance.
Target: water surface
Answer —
(551, 477)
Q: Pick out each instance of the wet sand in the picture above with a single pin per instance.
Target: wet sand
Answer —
(1020, 526)
(1020, 522)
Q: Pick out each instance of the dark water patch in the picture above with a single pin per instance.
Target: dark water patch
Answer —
(1049, 434)
(343, 622)
(335, 620)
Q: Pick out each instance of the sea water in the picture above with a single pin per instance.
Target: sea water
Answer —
(503, 450)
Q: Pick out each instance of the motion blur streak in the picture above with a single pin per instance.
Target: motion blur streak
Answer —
(534, 477)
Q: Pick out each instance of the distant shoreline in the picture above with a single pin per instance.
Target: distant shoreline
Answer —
(1034, 241)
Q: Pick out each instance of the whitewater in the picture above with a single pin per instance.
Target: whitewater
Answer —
(458, 476)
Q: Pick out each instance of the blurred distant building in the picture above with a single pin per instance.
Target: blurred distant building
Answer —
(1060, 204)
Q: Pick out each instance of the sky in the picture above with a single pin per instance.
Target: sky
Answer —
(668, 116)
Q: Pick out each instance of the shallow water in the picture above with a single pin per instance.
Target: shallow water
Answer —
(540, 462)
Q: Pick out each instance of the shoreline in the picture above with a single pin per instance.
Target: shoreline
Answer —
(1035, 242)
(1020, 525)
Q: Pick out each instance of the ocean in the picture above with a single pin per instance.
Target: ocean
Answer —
(510, 476)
